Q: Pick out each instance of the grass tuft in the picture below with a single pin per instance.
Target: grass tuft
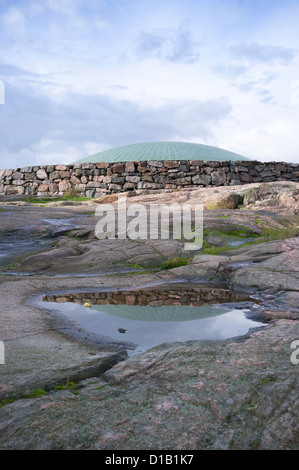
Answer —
(72, 195)
(72, 386)
(36, 394)
(6, 402)
(173, 263)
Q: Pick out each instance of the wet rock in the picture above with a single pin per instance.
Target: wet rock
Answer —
(269, 315)
(228, 395)
(236, 394)
(39, 354)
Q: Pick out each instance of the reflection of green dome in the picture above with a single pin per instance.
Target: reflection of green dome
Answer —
(169, 313)
(163, 151)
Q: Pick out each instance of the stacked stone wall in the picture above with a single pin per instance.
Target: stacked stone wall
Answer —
(96, 179)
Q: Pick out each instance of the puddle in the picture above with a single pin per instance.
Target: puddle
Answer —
(95, 273)
(24, 232)
(242, 264)
(63, 223)
(11, 249)
(151, 317)
(243, 241)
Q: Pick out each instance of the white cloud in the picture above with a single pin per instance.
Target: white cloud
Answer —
(36, 123)
(276, 140)
(82, 76)
(265, 53)
(13, 17)
(176, 46)
(13, 22)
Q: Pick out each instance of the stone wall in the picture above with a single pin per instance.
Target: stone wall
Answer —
(96, 179)
(195, 297)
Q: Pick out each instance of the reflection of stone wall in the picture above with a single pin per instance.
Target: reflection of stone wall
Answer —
(96, 179)
(195, 297)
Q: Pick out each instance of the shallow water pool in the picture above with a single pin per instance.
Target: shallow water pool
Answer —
(148, 326)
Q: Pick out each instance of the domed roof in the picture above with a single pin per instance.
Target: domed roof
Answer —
(163, 151)
(164, 313)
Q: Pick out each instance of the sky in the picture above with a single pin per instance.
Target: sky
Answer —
(82, 76)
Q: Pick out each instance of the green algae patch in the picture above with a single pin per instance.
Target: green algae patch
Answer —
(36, 394)
(72, 386)
(174, 263)
(6, 402)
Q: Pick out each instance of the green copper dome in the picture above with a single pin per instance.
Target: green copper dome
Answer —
(167, 313)
(163, 151)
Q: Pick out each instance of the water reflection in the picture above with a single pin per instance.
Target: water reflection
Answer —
(148, 326)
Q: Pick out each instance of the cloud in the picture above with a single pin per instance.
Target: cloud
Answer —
(249, 86)
(13, 17)
(150, 44)
(184, 49)
(66, 7)
(267, 54)
(273, 140)
(33, 121)
(100, 73)
(171, 46)
(9, 70)
(265, 96)
(230, 71)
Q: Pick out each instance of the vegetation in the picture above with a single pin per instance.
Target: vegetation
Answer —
(214, 250)
(265, 381)
(9, 266)
(227, 235)
(72, 195)
(280, 233)
(132, 265)
(173, 263)
(45, 200)
(36, 394)
(72, 386)
(286, 230)
(6, 402)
